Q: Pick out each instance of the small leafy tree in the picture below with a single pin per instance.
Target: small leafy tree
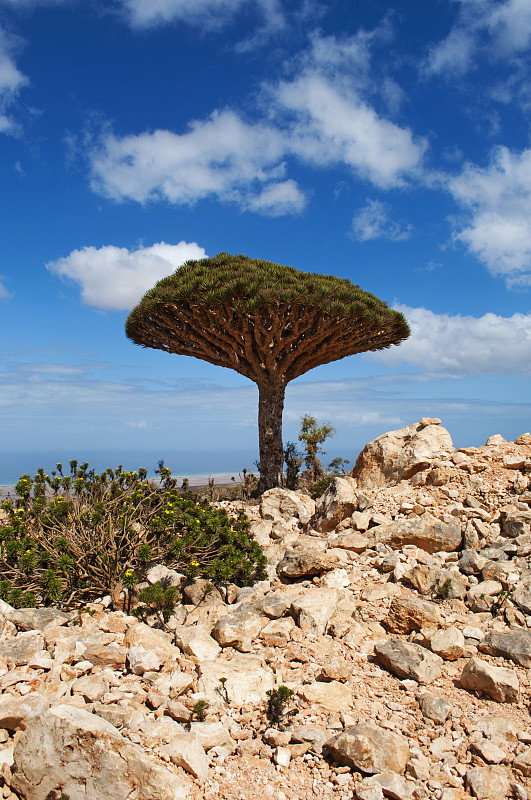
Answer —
(338, 466)
(67, 539)
(277, 702)
(313, 436)
(293, 461)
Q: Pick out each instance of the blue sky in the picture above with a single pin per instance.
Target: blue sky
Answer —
(384, 142)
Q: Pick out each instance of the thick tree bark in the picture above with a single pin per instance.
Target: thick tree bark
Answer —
(270, 407)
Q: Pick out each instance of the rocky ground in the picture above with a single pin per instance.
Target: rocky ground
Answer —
(397, 611)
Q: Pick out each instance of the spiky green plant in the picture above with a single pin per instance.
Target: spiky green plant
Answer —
(269, 322)
(96, 534)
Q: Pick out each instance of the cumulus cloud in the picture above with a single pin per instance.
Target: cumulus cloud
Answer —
(497, 29)
(373, 222)
(11, 81)
(497, 204)
(278, 198)
(115, 278)
(463, 345)
(332, 124)
(204, 13)
(313, 119)
(222, 156)
(145, 13)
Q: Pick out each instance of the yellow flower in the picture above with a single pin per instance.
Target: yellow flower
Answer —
(27, 553)
(194, 563)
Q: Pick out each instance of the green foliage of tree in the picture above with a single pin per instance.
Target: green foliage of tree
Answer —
(293, 461)
(269, 322)
(312, 437)
(277, 706)
(67, 539)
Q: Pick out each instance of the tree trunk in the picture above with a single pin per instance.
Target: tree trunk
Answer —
(270, 407)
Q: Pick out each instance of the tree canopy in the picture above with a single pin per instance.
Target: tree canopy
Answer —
(269, 322)
(264, 320)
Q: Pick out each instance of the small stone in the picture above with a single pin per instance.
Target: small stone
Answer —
(141, 660)
(523, 762)
(369, 748)
(408, 614)
(435, 708)
(187, 752)
(282, 756)
(515, 644)
(449, 644)
(408, 660)
(488, 783)
(489, 751)
(333, 696)
(500, 684)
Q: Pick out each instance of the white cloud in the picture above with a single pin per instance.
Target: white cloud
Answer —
(11, 81)
(222, 156)
(144, 13)
(490, 27)
(204, 13)
(373, 222)
(463, 345)
(332, 124)
(497, 200)
(310, 119)
(114, 278)
(278, 198)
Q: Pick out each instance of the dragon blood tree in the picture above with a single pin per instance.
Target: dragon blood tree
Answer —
(268, 322)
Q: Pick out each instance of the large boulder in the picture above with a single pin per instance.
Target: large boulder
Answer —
(426, 532)
(83, 756)
(277, 504)
(500, 684)
(514, 644)
(408, 660)
(398, 455)
(369, 748)
(337, 503)
(246, 680)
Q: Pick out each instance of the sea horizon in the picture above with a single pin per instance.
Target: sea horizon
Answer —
(185, 464)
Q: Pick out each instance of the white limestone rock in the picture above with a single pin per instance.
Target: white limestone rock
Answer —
(398, 455)
(85, 756)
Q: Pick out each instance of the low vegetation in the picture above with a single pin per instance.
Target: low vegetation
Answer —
(68, 538)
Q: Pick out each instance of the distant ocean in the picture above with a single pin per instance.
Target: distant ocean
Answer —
(183, 464)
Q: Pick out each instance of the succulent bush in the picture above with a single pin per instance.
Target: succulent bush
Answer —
(66, 539)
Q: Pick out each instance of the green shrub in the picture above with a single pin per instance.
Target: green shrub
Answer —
(318, 489)
(277, 702)
(67, 539)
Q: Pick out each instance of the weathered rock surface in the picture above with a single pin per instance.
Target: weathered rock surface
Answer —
(338, 502)
(305, 563)
(321, 634)
(68, 748)
(247, 679)
(488, 783)
(278, 504)
(514, 645)
(500, 684)
(408, 660)
(410, 613)
(370, 749)
(426, 532)
(312, 611)
(186, 751)
(398, 455)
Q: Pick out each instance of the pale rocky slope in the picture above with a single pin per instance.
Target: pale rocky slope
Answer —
(398, 610)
